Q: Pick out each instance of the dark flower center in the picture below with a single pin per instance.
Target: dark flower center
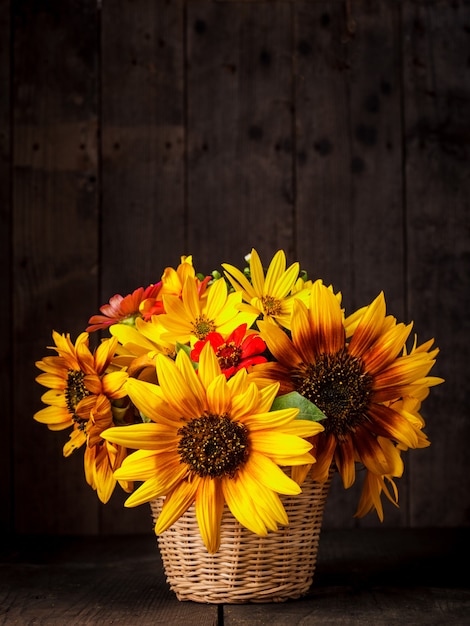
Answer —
(213, 445)
(75, 391)
(271, 305)
(202, 327)
(229, 355)
(339, 386)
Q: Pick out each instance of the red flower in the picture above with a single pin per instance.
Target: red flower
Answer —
(239, 350)
(121, 308)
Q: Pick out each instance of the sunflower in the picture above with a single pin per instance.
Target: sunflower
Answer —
(193, 316)
(212, 441)
(271, 297)
(80, 395)
(368, 386)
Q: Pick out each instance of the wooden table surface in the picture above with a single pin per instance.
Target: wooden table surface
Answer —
(380, 577)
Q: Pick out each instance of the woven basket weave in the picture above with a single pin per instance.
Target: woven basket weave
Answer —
(247, 567)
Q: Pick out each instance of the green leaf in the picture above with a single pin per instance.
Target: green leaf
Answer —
(187, 349)
(144, 418)
(307, 410)
(184, 347)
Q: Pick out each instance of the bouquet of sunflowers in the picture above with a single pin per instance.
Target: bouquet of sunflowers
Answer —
(208, 386)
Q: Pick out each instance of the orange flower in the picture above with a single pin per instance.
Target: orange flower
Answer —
(123, 309)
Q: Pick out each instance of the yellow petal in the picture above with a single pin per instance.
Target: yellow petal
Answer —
(140, 465)
(176, 389)
(369, 326)
(242, 506)
(104, 354)
(104, 480)
(273, 511)
(266, 397)
(191, 300)
(209, 509)
(326, 320)
(218, 396)
(278, 444)
(113, 384)
(54, 415)
(177, 503)
(147, 436)
(146, 492)
(54, 397)
(77, 439)
(246, 403)
(273, 419)
(266, 472)
(284, 281)
(52, 380)
(239, 281)
(216, 299)
(257, 273)
(279, 344)
(209, 367)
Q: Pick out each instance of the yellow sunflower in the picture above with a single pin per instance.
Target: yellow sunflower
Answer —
(80, 394)
(364, 385)
(192, 317)
(212, 441)
(271, 296)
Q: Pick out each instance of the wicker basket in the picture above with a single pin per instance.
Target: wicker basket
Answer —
(247, 567)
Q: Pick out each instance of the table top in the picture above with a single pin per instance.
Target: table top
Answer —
(363, 576)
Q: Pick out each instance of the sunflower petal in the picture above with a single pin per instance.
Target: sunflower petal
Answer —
(176, 504)
(209, 509)
(267, 473)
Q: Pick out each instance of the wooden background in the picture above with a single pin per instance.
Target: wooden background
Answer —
(134, 132)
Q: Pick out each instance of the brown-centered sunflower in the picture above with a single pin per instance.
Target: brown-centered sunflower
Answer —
(80, 396)
(212, 441)
(362, 378)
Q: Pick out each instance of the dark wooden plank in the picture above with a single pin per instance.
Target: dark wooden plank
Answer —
(376, 576)
(363, 576)
(348, 153)
(143, 199)
(437, 90)
(75, 581)
(143, 193)
(55, 242)
(348, 164)
(6, 344)
(323, 150)
(240, 192)
(377, 214)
